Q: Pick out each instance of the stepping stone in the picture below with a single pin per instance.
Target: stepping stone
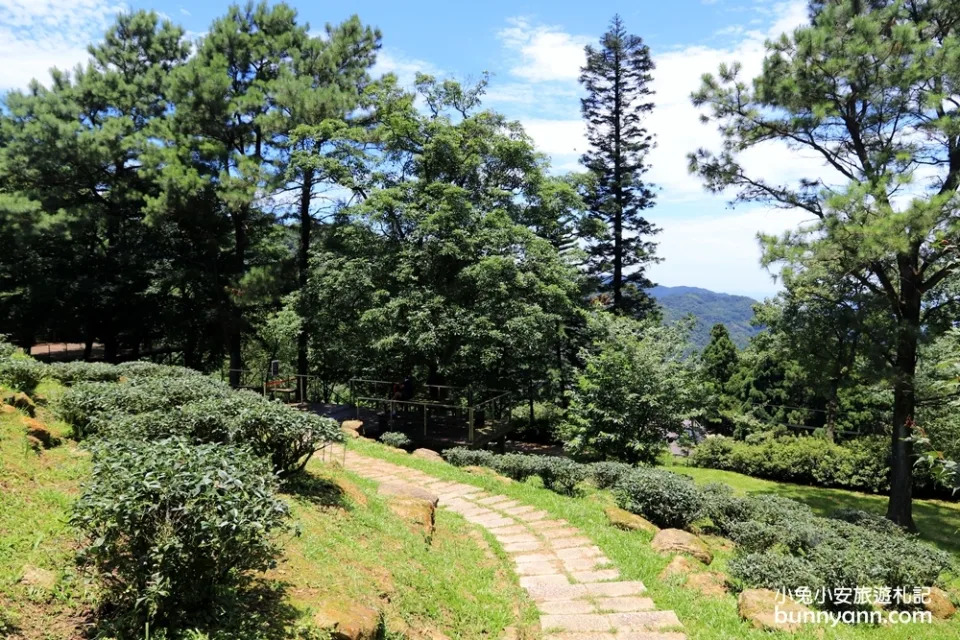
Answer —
(492, 521)
(558, 532)
(517, 509)
(537, 568)
(519, 537)
(570, 543)
(583, 564)
(533, 516)
(627, 635)
(508, 506)
(524, 558)
(601, 575)
(532, 582)
(522, 547)
(636, 621)
(513, 529)
(579, 552)
(628, 603)
(560, 607)
(492, 500)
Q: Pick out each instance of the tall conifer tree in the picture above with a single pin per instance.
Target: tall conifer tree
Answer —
(617, 78)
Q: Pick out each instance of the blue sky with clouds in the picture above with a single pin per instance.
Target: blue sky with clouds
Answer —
(533, 51)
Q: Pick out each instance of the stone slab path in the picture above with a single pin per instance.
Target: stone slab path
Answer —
(576, 588)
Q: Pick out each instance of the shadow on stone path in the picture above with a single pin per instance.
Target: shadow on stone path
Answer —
(577, 590)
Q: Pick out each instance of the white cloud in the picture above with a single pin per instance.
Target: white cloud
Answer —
(720, 251)
(546, 53)
(405, 68)
(36, 35)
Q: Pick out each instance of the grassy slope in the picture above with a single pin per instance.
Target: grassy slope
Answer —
(703, 618)
(350, 548)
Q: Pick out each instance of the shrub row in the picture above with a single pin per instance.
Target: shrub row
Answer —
(781, 543)
(201, 410)
(861, 464)
(558, 474)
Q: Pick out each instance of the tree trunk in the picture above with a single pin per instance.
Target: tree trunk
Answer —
(900, 506)
(303, 264)
(235, 330)
(831, 422)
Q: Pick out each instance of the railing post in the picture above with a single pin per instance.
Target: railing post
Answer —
(425, 410)
(470, 432)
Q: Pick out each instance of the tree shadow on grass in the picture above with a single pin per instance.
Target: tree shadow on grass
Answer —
(257, 610)
(317, 490)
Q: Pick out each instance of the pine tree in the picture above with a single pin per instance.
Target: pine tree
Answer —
(617, 78)
(855, 88)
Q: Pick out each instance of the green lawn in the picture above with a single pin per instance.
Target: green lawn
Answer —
(937, 520)
(704, 618)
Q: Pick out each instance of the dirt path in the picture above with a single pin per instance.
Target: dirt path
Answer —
(576, 588)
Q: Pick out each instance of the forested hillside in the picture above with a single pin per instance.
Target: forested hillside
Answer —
(709, 307)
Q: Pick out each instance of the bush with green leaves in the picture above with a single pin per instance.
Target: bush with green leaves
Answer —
(561, 474)
(664, 498)
(171, 525)
(146, 369)
(70, 373)
(723, 508)
(22, 373)
(396, 439)
(607, 474)
(781, 543)
(868, 520)
(859, 464)
(776, 571)
(464, 457)
(518, 466)
(6, 349)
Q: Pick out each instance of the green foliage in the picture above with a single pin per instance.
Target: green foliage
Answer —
(664, 498)
(860, 464)
(558, 474)
(607, 474)
(202, 410)
(635, 387)
(145, 369)
(6, 349)
(396, 439)
(171, 526)
(23, 374)
(464, 457)
(767, 570)
(70, 373)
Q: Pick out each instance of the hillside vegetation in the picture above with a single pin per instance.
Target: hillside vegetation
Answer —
(709, 308)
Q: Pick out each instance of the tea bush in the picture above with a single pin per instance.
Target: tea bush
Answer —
(70, 373)
(145, 369)
(561, 474)
(463, 457)
(22, 373)
(171, 526)
(774, 571)
(608, 474)
(396, 439)
(667, 499)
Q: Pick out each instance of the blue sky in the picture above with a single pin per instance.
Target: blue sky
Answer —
(533, 51)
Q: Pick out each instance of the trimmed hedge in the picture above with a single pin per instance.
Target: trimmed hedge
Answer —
(200, 409)
(70, 373)
(859, 464)
(558, 474)
(171, 526)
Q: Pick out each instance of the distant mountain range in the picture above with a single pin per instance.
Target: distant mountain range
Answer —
(709, 308)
